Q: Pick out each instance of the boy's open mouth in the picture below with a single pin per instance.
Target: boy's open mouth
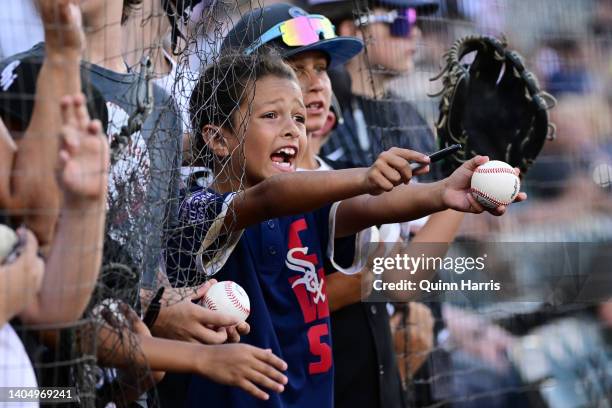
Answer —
(284, 157)
(314, 108)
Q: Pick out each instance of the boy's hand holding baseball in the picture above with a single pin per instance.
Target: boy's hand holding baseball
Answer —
(182, 319)
(456, 189)
(84, 157)
(392, 168)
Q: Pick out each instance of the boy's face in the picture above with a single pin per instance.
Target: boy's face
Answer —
(311, 70)
(391, 52)
(275, 133)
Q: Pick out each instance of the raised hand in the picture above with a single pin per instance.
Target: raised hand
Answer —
(456, 193)
(84, 157)
(392, 168)
(63, 26)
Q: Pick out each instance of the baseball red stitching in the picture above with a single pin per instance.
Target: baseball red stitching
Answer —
(489, 170)
(235, 301)
(488, 197)
(209, 303)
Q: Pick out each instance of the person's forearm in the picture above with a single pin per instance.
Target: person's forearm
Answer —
(404, 203)
(342, 290)
(132, 350)
(441, 227)
(433, 241)
(73, 265)
(181, 360)
(294, 193)
(36, 185)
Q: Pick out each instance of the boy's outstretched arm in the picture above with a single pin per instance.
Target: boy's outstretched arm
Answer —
(410, 202)
(300, 192)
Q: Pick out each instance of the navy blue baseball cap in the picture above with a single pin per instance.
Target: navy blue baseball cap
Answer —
(253, 25)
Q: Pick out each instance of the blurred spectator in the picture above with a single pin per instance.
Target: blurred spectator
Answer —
(20, 27)
(571, 74)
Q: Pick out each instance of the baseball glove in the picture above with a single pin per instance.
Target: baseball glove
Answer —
(492, 106)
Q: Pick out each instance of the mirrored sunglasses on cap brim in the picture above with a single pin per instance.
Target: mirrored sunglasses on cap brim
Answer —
(297, 32)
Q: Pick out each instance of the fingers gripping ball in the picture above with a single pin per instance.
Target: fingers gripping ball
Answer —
(228, 297)
(8, 240)
(495, 183)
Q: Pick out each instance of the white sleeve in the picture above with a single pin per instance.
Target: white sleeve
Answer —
(215, 263)
(362, 240)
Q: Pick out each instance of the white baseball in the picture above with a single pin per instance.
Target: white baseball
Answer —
(8, 239)
(494, 184)
(228, 297)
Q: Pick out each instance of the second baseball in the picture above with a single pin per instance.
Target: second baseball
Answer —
(229, 298)
(494, 184)
(8, 239)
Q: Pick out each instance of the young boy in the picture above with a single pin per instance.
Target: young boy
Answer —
(279, 262)
(375, 375)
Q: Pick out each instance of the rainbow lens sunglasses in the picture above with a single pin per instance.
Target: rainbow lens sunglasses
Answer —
(299, 31)
(401, 21)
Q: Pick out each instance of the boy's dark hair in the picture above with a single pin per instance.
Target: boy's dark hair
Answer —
(225, 85)
(128, 7)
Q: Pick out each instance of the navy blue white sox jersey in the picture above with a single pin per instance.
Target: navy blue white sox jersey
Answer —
(279, 263)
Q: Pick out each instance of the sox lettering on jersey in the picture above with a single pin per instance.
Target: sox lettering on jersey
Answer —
(309, 289)
(310, 279)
